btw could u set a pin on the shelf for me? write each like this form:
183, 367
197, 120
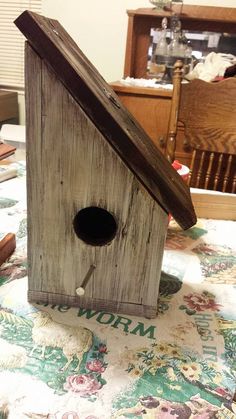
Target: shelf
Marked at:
193, 18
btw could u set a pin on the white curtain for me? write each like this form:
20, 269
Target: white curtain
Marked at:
12, 42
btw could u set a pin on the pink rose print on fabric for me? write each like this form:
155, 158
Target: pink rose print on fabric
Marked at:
95, 366
196, 303
84, 384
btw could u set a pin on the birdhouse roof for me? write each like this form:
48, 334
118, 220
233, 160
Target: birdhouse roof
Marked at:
98, 100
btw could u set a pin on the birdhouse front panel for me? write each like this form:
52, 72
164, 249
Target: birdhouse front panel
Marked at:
92, 224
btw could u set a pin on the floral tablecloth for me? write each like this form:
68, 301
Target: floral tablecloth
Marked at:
59, 362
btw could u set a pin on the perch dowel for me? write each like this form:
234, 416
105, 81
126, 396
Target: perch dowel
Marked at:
81, 290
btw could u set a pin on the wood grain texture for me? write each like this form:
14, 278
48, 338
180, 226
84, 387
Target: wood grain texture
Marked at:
172, 124
215, 205
7, 247
213, 170
202, 13
139, 90
93, 304
103, 107
71, 166
129, 54
151, 107
34, 146
208, 112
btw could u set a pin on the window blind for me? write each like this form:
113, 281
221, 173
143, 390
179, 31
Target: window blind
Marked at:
12, 41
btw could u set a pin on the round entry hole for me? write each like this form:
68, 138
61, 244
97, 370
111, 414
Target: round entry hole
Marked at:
95, 226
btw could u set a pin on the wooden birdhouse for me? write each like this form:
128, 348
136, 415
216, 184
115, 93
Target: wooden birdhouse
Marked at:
99, 192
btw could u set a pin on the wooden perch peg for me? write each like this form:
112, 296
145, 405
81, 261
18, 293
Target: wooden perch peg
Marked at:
81, 290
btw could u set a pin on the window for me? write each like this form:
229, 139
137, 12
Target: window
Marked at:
12, 42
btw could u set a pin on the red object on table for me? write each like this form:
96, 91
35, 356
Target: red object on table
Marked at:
183, 172
181, 169
7, 246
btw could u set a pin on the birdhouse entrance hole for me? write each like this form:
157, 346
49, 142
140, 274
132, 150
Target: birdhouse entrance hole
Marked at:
95, 226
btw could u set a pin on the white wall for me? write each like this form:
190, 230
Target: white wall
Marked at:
99, 27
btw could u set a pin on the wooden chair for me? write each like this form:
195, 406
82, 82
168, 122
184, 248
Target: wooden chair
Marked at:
208, 113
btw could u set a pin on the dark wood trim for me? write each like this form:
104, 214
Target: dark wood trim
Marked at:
204, 13
93, 304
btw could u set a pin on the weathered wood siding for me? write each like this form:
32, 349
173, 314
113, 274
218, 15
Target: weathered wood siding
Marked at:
71, 166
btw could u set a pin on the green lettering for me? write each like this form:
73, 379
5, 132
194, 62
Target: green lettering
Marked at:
202, 324
139, 329
205, 338
100, 318
87, 312
124, 321
203, 316
210, 350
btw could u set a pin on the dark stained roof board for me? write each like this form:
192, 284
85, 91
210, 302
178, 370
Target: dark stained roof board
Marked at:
54, 45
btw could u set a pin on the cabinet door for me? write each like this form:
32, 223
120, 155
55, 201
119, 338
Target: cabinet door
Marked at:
150, 110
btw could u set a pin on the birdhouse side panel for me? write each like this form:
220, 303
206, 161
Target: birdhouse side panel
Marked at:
71, 167
34, 159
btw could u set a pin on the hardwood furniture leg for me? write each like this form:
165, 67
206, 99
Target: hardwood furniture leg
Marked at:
7, 246
173, 118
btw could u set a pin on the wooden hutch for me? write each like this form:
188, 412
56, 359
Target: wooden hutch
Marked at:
151, 106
